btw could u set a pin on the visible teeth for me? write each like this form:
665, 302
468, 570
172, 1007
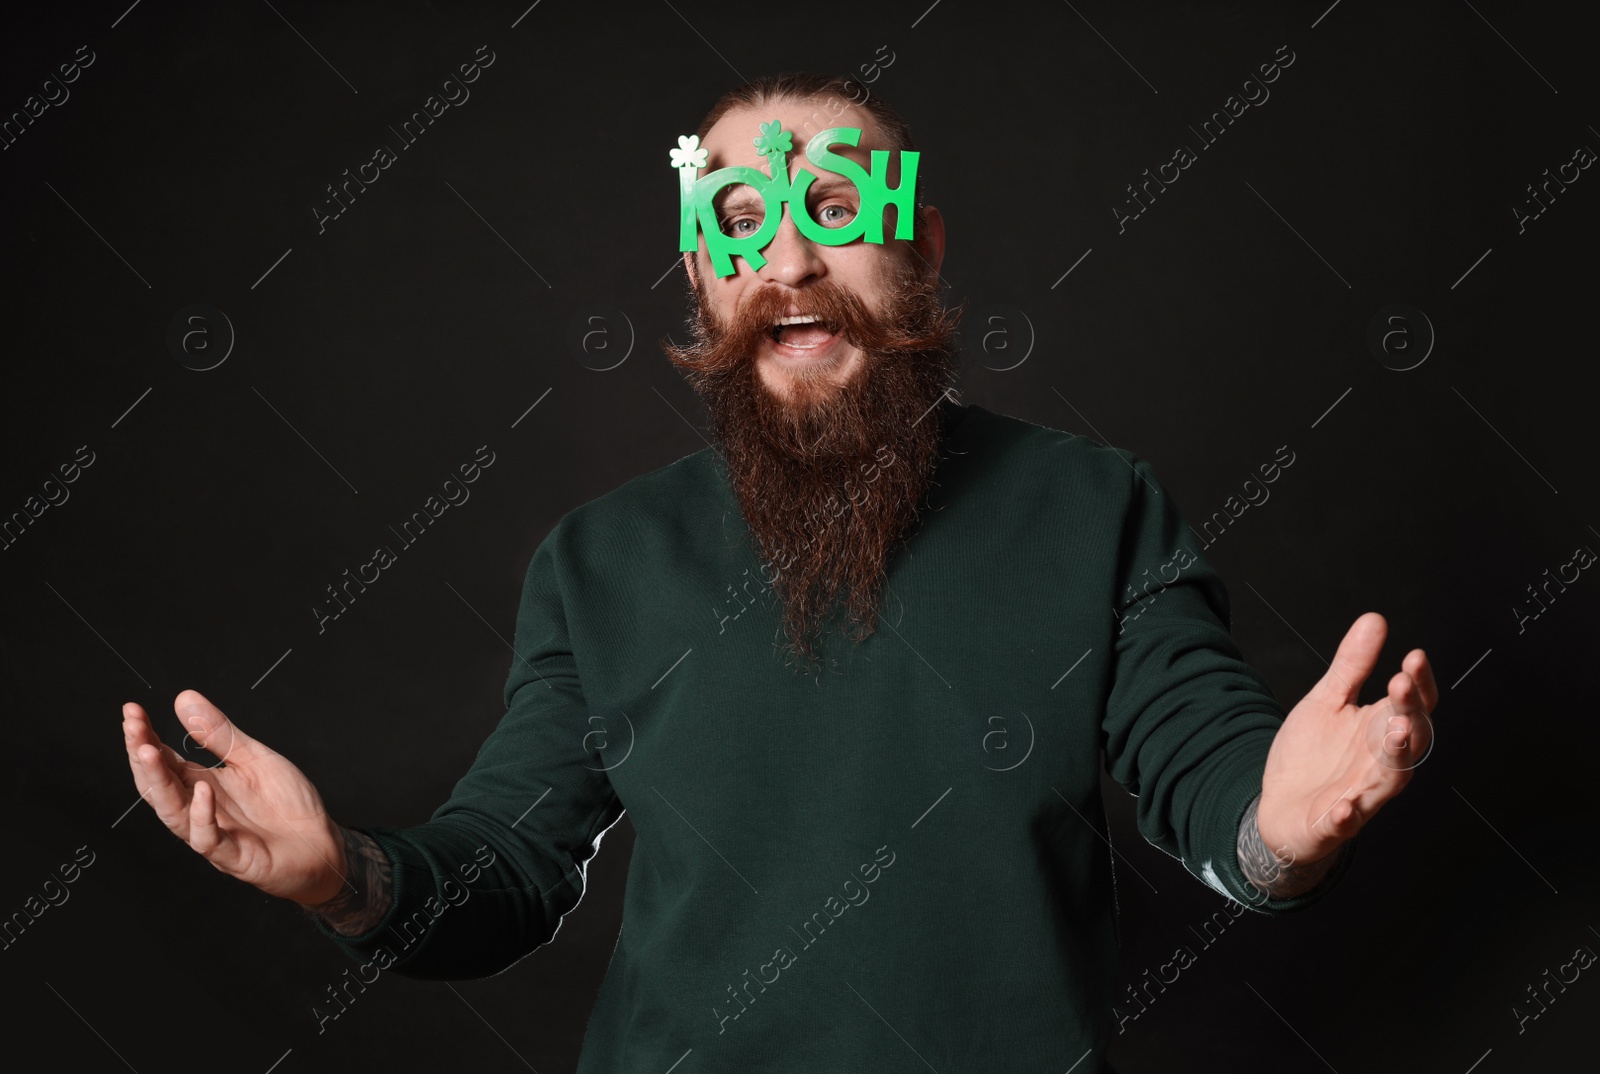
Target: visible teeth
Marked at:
794, 320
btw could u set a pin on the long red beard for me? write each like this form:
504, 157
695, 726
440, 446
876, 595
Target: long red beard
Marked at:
829, 479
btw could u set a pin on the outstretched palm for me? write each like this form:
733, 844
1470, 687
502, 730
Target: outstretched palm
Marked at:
254, 815
1333, 763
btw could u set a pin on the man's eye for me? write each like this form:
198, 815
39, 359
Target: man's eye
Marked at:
844, 214
736, 227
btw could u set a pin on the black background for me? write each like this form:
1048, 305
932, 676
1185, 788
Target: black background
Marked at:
375, 356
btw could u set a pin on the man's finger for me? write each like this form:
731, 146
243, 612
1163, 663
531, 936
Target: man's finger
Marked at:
1353, 662
209, 841
1341, 820
1422, 671
136, 727
1406, 699
1404, 693
155, 782
137, 731
161, 788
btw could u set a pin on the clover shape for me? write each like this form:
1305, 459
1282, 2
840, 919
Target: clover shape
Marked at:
773, 139
688, 154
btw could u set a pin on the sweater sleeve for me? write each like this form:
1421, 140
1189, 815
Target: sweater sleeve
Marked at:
489, 876
1188, 723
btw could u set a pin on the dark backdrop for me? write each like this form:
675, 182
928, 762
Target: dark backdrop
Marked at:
521, 255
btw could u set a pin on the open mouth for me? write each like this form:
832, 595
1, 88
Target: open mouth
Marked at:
802, 333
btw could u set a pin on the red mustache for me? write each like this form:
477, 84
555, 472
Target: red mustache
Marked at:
917, 321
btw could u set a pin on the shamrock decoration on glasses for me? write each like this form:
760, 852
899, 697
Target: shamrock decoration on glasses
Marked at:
689, 154
773, 139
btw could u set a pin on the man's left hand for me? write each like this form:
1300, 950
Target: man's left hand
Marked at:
1333, 763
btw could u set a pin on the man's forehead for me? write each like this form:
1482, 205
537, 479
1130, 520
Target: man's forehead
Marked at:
731, 139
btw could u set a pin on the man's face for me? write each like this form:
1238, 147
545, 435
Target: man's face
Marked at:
827, 433
805, 362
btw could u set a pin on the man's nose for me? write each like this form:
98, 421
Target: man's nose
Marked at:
791, 257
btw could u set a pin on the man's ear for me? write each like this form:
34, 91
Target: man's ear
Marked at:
930, 243
688, 266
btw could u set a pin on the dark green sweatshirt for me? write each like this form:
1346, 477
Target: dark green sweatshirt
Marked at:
896, 864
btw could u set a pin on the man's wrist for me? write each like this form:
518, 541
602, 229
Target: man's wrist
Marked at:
1278, 877
365, 891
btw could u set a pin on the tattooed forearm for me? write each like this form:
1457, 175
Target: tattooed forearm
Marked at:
1276, 877
367, 892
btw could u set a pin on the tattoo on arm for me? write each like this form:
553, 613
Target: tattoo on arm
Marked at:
367, 892
1276, 877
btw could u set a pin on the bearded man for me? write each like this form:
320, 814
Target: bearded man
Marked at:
865, 786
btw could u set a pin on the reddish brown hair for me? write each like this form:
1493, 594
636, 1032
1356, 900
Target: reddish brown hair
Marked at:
807, 86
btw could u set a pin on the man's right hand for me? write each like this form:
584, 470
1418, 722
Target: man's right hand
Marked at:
254, 815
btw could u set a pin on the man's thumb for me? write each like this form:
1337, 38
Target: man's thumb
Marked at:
1355, 658
209, 731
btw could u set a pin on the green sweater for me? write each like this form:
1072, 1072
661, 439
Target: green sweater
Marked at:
895, 864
